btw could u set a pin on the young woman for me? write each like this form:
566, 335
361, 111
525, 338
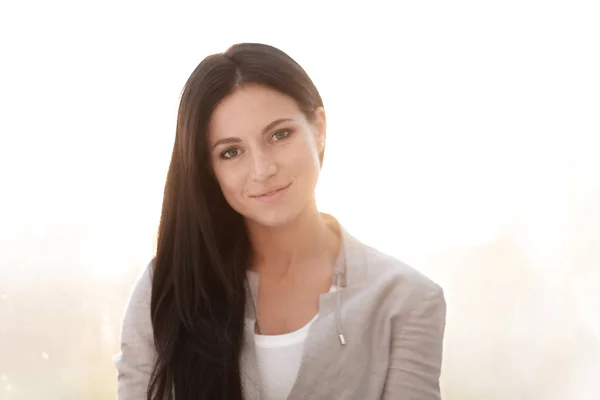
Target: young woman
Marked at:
253, 292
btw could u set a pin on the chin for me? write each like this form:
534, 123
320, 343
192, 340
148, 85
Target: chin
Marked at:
273, 218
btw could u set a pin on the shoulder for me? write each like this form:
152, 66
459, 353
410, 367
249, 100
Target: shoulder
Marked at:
143, 284
392, 281
409, 294
138, 307
383, 267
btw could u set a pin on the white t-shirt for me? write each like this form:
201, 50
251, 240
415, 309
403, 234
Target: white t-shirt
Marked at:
279, 358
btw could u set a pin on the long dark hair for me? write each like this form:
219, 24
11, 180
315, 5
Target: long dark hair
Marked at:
203, 249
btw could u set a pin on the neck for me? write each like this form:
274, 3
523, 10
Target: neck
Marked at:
305, 239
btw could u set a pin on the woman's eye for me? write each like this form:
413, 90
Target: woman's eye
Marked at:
229, 153
281, 134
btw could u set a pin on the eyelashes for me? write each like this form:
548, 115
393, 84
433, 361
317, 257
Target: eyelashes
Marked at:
229, 153
281, 134
277, 136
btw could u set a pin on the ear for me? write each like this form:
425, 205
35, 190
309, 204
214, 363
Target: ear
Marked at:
320, 124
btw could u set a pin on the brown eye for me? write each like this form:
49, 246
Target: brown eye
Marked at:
281, 134
229, 153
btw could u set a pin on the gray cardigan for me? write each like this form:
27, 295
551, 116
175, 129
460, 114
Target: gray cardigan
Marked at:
378, 337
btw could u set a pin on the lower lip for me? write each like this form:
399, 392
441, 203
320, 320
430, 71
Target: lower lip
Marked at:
274, 196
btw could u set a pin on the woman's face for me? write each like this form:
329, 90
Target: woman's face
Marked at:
265, 154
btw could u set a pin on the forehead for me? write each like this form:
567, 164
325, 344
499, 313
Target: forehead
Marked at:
249, 109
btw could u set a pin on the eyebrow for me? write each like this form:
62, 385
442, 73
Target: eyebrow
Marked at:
267, 128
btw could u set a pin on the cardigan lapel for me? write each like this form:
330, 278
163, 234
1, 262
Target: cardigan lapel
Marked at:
322, 347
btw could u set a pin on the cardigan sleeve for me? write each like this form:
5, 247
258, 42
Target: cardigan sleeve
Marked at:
416, 351
135, 361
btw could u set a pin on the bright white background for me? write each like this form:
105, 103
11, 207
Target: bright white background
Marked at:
463, 138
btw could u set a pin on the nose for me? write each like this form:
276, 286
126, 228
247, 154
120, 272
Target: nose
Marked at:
263, 166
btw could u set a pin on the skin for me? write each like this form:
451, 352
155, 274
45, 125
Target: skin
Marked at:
260, 142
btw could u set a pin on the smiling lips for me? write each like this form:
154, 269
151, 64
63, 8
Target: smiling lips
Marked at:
272, 195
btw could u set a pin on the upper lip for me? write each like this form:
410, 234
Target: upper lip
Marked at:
273, 190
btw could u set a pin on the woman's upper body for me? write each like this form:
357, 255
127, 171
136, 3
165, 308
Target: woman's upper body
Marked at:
391, 318
239, 204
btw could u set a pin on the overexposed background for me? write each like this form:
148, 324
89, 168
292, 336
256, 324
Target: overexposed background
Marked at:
463, 138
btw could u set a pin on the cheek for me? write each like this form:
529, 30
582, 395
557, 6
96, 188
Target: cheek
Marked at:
231, 181
303, 156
